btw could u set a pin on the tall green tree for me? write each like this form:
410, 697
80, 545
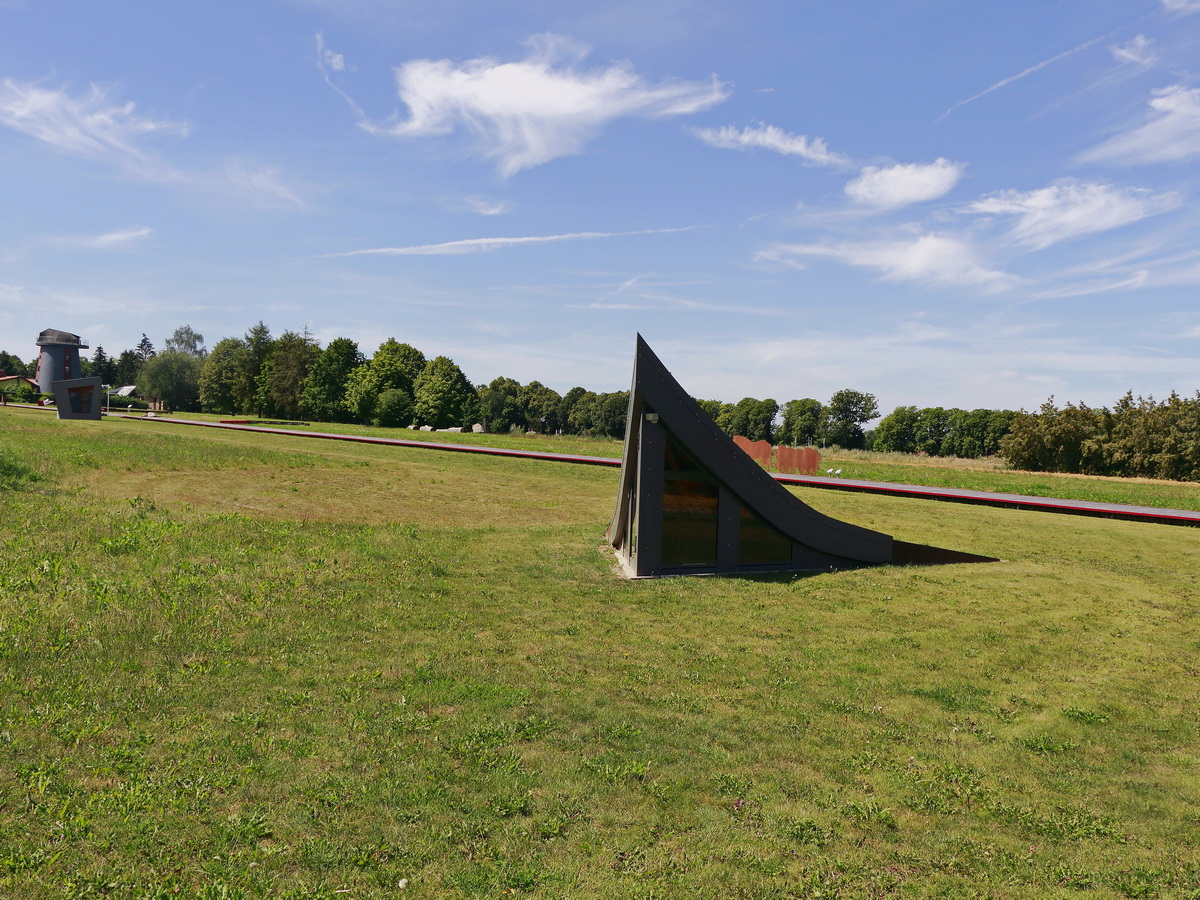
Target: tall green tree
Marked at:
103, 366
566, 405
252, 395
897, 431
223, 377
443, 397
749, 417
12, 365
711, 407
500, 405
281, 380
539, 404
394, 367
844, 416
325, 388
173, 378
185, 340
144, 349
801, 422
613, 410
128, 365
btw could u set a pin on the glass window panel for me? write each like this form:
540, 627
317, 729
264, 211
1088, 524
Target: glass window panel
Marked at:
759, 543
689, 516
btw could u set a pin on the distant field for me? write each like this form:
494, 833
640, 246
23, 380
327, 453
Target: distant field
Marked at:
970, 474
235, 665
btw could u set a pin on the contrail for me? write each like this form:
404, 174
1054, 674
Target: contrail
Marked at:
1029, 71
483, 245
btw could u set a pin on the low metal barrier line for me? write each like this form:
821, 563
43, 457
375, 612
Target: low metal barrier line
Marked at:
1152, 514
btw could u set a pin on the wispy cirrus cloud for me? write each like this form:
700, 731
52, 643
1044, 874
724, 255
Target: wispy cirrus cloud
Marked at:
108, 241
930, 258
485, 206
328, 61
1097, 286
1140, 51
264, 185
1181, 6
487, 245
813, 151
542, 107
92, 125
1171, 132
1071, 209
901, 185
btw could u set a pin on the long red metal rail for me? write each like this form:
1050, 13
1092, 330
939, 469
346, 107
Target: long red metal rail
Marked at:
1152, 514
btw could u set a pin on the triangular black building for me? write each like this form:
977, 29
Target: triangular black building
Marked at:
692, 502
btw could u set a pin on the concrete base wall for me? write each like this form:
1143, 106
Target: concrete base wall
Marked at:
79, 398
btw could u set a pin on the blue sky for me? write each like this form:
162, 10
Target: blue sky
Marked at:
942, 203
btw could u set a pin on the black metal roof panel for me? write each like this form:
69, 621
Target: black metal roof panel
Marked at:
54, 337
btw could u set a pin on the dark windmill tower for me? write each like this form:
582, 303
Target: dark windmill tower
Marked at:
59, 372
59, 359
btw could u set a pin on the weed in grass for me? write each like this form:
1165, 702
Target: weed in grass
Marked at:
15, 473
1045, 745
1084, 715
807, 832
955, 697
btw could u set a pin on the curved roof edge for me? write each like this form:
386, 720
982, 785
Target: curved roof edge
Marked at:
654, 390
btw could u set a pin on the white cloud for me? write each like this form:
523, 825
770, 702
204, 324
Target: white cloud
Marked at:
485, 206
813, 151
539, 108
328, 61
901, 185
111, 239
1139, 51
1181, 6
1170, 134
334, 61
930, 258
486, 245
1070, 209
264, 185
91, 126
1137, 280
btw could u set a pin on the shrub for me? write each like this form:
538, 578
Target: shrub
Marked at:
393, 409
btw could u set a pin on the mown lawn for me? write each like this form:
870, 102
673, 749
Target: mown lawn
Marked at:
243, 666
987, 474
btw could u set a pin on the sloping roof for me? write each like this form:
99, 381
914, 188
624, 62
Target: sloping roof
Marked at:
663, 416
53, 336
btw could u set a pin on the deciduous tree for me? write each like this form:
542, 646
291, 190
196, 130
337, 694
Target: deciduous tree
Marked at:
173, 378
443, 397
325, 388
223, 377
845, 414
281, 380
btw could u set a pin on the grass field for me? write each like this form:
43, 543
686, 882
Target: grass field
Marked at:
988, 474
247, 666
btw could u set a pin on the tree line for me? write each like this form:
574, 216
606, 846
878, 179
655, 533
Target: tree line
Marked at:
1136, 438
291, 376
935, 431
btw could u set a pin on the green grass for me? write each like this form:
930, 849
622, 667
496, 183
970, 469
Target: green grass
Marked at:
989, 474
243, 666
